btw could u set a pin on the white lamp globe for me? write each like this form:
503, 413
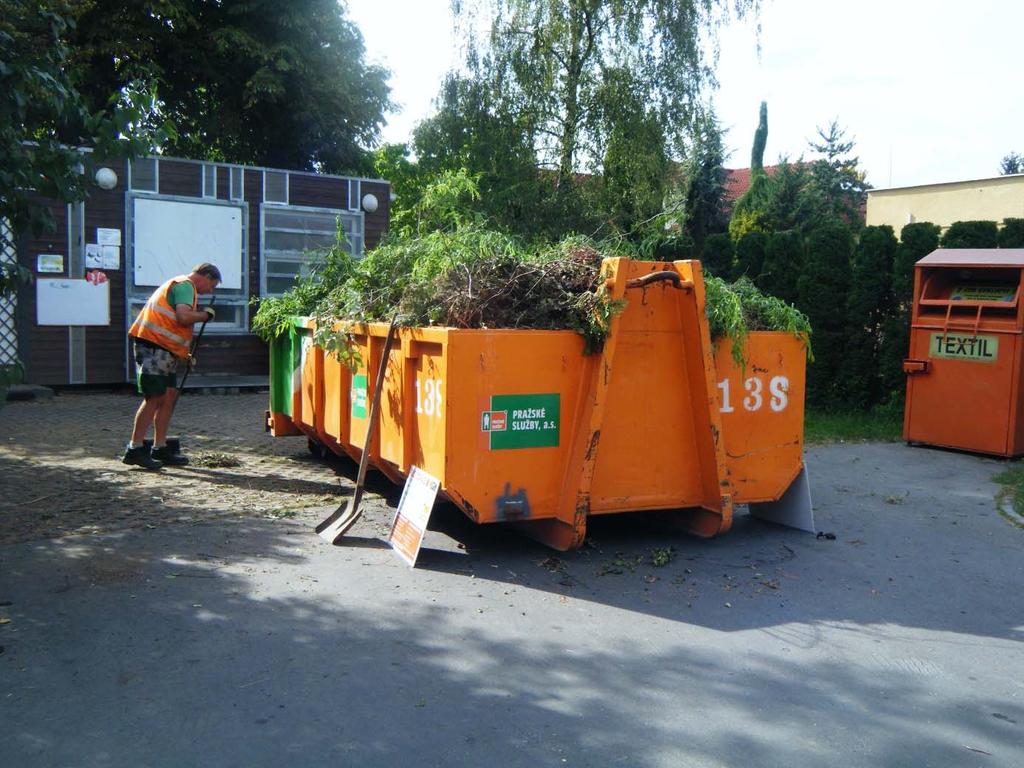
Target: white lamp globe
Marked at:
106, 178
369, 203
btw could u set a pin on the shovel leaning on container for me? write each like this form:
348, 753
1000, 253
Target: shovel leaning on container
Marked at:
335, 526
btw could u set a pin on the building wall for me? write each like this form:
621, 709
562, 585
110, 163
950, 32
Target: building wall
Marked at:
983, 199
60, 355
43, 349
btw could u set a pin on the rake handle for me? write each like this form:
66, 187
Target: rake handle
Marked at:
378, 386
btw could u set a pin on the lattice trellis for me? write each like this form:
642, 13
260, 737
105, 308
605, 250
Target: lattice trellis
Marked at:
8, 306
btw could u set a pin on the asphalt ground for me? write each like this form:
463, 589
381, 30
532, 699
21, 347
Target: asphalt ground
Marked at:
233, 636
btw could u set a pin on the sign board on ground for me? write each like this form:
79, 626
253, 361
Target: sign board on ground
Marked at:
413, 514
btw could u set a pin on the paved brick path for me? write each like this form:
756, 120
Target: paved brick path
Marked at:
61, 474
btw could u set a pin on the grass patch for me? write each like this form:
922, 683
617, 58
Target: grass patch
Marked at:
876, 426
1010, 499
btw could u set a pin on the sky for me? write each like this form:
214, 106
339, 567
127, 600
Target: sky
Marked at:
929, 90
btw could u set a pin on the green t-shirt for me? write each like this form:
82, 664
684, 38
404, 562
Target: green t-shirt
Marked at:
182, 293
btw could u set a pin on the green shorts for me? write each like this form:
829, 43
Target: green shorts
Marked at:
155, 384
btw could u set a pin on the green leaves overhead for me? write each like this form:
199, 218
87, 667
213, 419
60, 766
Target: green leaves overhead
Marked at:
44, 119
550, 57
263, 82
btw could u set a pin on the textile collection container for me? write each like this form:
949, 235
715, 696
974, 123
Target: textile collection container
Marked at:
964, 367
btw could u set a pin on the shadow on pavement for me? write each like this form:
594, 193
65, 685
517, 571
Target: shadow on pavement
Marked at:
251, 646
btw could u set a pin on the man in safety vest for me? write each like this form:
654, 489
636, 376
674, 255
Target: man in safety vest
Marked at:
162, 337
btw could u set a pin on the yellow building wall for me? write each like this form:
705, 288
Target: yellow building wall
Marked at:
983, 199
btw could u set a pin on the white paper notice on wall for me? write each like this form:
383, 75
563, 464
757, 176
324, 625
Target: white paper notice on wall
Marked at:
111, 257
72, 302
93, 256
108, 236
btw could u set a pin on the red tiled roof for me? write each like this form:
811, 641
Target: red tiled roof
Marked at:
737, 181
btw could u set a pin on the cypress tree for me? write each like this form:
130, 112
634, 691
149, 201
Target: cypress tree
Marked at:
868, 306
748, 211
916, 242
750, 250
971, 234
783, 260
821, 294
1012, 234
716, 257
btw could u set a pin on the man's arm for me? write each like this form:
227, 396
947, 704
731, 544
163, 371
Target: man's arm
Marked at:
185, 315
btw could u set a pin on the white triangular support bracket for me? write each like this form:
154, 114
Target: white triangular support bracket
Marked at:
793, 509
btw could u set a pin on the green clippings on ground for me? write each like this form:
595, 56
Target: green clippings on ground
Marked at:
857, 427
279, 514
620, 564
1010, 498
662, 556
214, 459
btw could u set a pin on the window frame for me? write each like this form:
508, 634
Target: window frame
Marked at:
287, 189
209, 174
356, 242
156, 175
136, 296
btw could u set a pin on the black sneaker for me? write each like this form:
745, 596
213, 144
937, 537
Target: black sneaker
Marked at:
167, 455
140, 457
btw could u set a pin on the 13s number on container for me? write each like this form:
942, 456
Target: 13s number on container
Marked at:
428, 402
778, 394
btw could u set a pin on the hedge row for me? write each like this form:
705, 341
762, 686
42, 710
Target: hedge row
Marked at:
857, 294
984, 234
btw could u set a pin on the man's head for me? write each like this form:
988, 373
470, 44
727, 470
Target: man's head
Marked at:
209, 276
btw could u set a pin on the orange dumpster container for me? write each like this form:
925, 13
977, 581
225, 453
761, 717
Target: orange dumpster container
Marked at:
964, 367
521, 427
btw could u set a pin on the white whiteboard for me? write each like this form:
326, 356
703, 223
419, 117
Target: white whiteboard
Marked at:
170, 237
72, 302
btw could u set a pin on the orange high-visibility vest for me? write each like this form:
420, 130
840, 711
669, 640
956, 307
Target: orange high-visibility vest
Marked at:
157, 322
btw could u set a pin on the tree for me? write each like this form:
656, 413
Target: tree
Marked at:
45, 122
391, 162
748, 211
971, 234
548, 57
704, 176
750, 253
821, 295
841, 187
635, 164
717, 255
44, 126
262, 82
868, 305
1011, 163
789, 201
916, 241
1011, 234
473, 130
783, 261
